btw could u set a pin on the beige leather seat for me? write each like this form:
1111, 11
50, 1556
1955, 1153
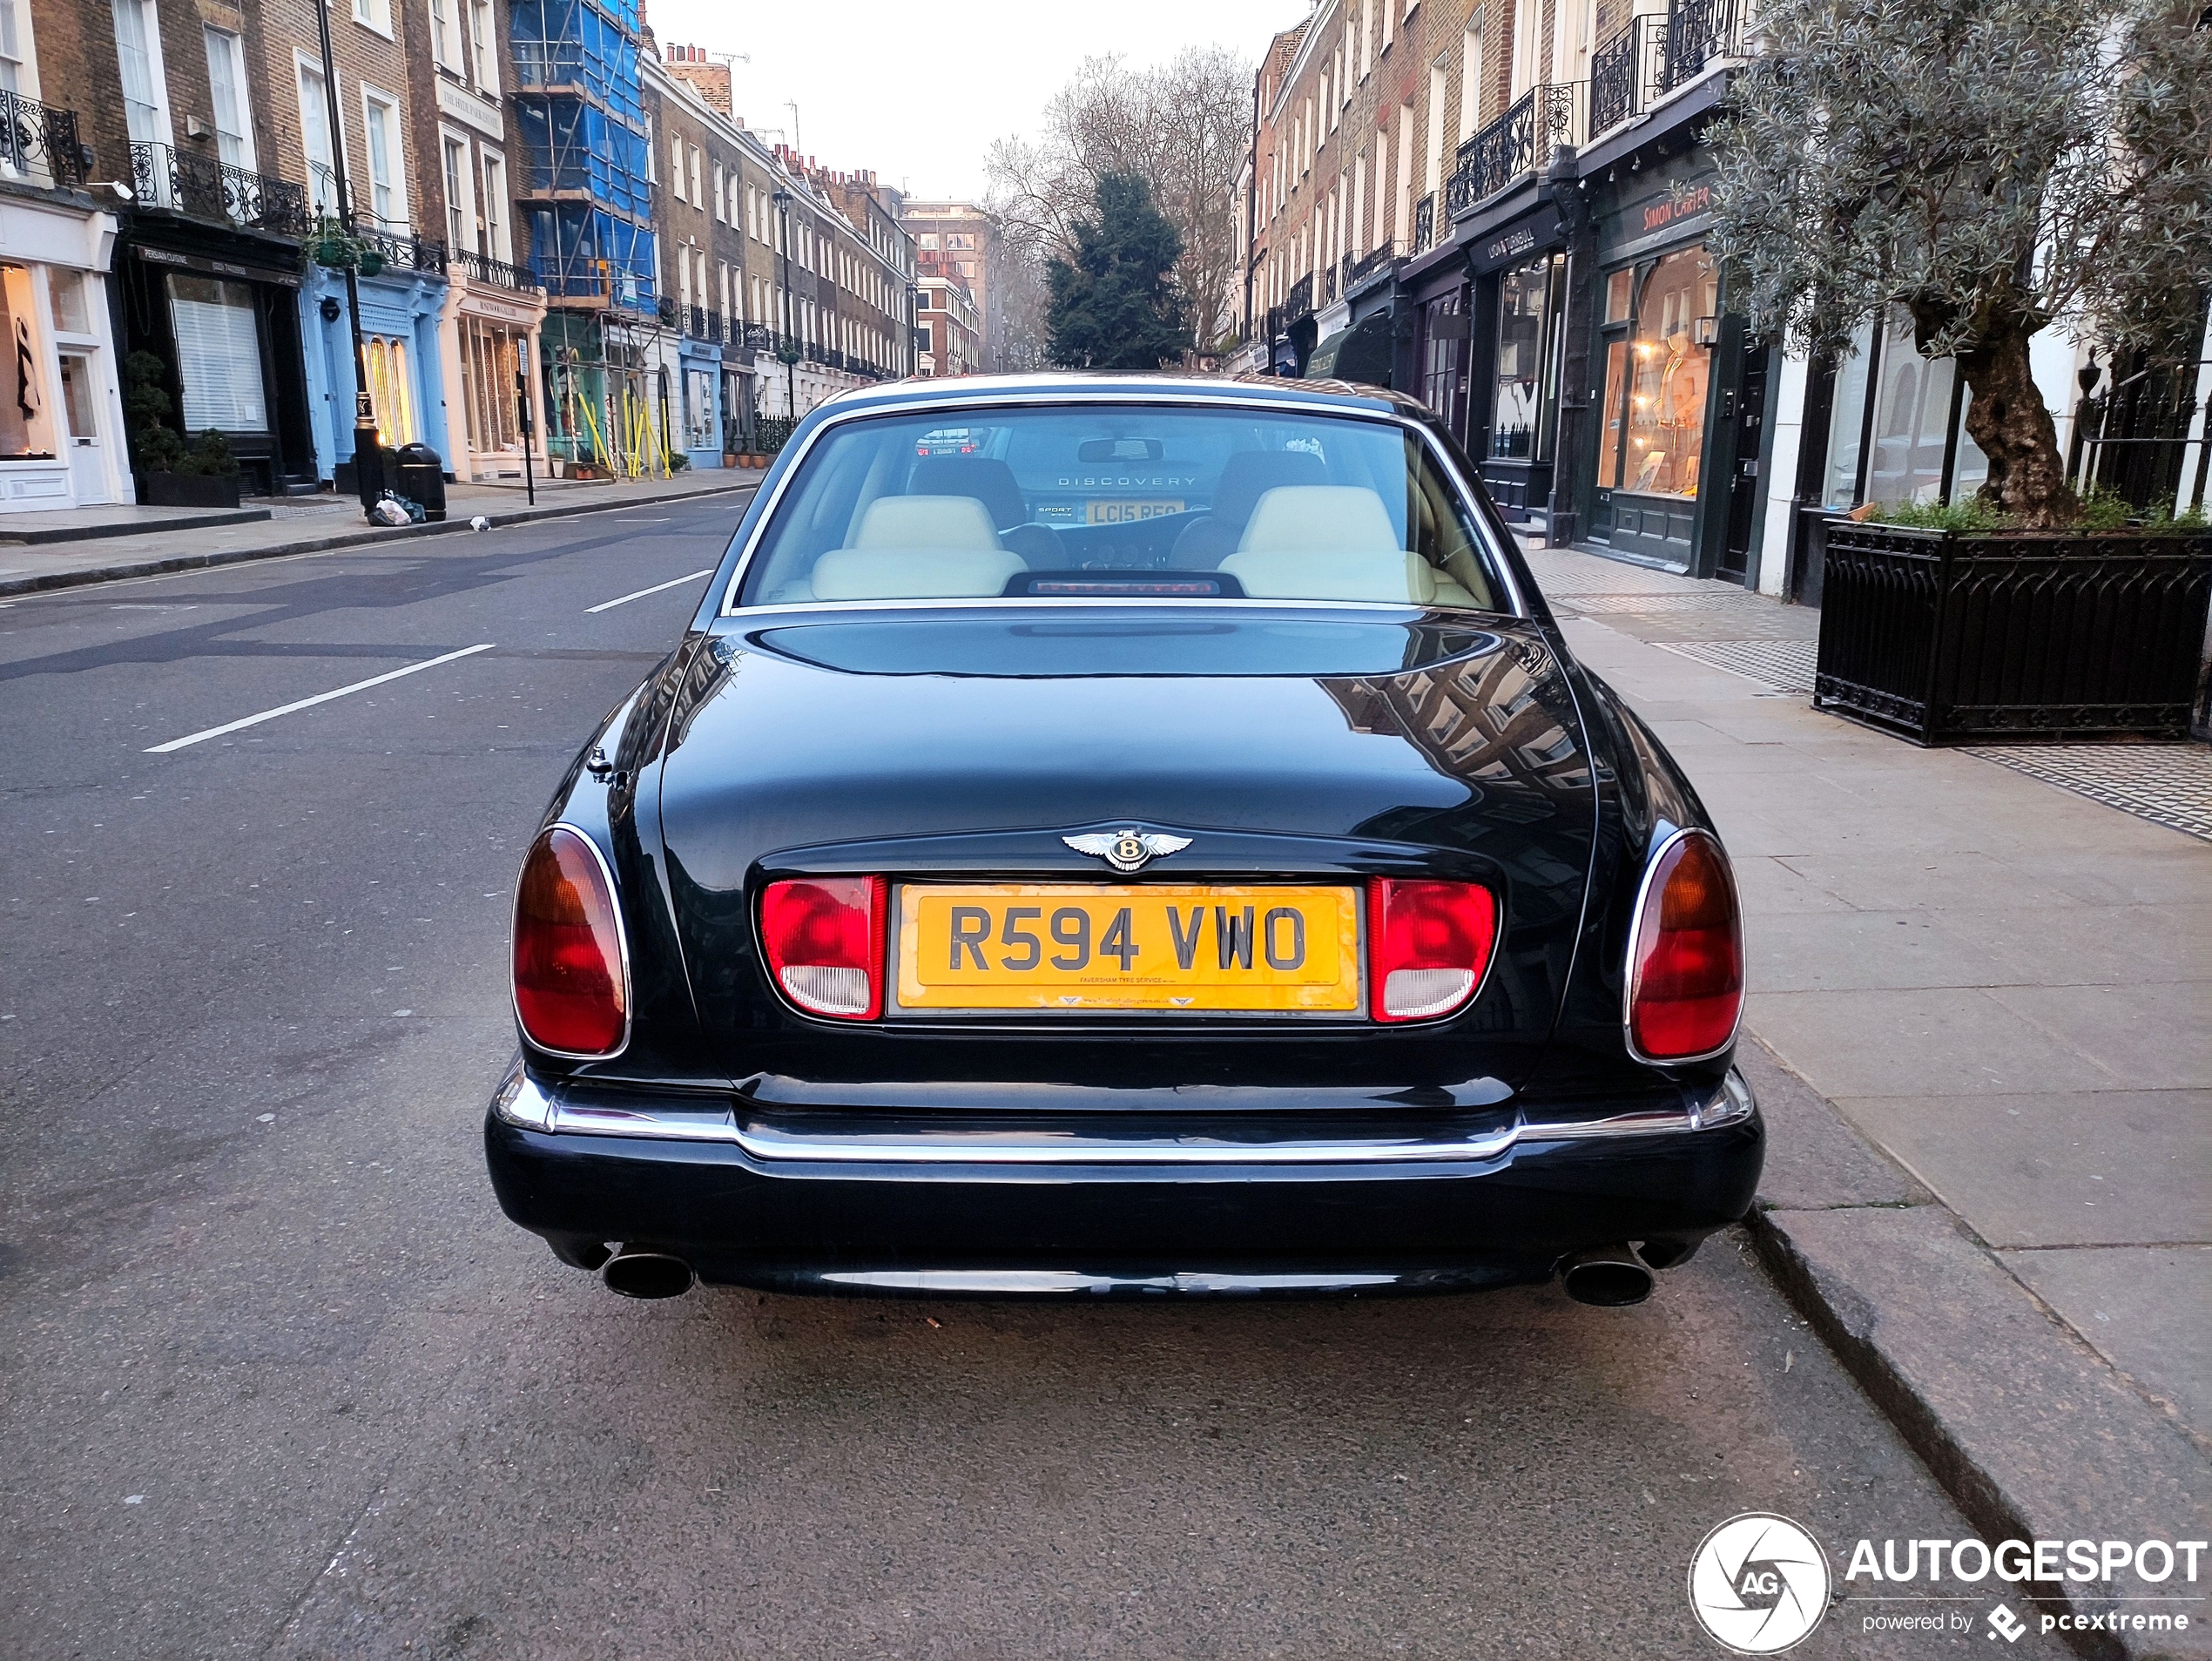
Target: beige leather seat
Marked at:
1326, 542
918, 547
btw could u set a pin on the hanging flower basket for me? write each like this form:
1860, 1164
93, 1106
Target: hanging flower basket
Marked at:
370, 262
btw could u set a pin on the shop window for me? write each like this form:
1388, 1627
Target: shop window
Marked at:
26, 423
1619, 294
219, 355
489, 357
71, 315
698, 409
1669, 370
1528, 305
390, 389
1897, 427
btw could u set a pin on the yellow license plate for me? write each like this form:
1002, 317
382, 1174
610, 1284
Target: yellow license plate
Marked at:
1084, 946
1118, 513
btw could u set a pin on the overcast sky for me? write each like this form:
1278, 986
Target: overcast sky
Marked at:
917, 90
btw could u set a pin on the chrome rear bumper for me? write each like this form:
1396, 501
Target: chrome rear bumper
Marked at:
531, 1104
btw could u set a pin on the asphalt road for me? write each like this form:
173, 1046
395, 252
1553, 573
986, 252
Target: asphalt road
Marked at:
280, 1380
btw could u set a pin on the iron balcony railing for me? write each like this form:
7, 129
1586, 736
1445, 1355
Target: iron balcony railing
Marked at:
1518, 142
1698, 31
409, 252
1425, 224
1329, 284
1369, 263
205, 189
39, 142
1651, 56
482, 268
1299, 301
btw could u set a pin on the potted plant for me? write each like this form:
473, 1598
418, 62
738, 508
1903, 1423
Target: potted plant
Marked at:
1924, 164
169, 473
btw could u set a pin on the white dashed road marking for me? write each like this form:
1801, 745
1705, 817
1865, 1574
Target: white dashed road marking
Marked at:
608, 605
319, 698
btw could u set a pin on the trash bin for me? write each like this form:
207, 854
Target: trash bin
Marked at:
421, 478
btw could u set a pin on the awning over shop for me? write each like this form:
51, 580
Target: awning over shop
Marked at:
1361, 352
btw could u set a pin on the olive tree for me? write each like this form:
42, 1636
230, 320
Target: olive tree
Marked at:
1994, 167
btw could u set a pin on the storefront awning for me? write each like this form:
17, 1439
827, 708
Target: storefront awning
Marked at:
1361, 352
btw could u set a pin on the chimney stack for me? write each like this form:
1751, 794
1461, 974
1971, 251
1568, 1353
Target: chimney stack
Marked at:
690, 65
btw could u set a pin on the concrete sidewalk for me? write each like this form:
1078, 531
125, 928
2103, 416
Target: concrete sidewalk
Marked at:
311, 524
1978, 1021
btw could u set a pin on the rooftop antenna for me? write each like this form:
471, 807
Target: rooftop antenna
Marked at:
793, 108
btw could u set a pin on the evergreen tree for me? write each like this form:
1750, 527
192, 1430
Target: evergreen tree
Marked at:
1989, 168
1115, 304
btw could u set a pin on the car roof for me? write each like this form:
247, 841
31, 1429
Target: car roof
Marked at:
1257, 391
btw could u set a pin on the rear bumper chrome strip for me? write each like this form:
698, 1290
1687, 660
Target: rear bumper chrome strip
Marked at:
523, 1100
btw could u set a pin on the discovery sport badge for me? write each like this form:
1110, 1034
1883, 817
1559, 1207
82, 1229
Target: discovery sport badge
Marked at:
1128, 850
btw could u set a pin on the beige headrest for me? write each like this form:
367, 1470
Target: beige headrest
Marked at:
918, 522
1319, 518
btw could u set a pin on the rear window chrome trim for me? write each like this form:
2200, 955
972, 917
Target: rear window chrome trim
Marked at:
526, 1102
766, 512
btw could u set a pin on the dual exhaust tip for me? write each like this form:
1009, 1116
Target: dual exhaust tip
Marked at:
1608, 1277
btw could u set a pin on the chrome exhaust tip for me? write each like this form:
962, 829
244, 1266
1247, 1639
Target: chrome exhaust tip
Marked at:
648, 1274
1608, 1277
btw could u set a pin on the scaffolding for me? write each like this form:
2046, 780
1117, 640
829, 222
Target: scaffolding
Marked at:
588, 194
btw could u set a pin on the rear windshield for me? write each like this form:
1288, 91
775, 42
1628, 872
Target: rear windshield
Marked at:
1121, 500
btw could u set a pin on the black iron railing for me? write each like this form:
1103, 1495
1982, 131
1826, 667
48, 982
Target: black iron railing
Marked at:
205, 189
39, 141
409, 252
1425, 223
1329, 284
759, 337
1518, 142
1651, 56
482, 268
1697, 32
1298, 302
1369, 263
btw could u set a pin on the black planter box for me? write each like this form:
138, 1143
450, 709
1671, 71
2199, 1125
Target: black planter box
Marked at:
1948, 638
190, 489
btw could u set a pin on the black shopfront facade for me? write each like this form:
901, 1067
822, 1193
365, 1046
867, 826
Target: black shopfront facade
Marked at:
218, 304
1663, 427
1518, 269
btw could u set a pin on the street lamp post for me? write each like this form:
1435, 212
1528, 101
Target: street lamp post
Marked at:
368, 456
788, 349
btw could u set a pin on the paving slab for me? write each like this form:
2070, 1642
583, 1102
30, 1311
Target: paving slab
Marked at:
2071, 1168
1928, 1041
2153, 1033
2147, 1309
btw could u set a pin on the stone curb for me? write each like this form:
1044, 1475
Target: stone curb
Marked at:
90, 575
2031, 1432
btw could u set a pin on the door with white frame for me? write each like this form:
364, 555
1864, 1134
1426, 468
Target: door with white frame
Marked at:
84, 427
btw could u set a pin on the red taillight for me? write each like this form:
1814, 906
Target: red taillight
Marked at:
571, 993
1686, 960
1429, 943
824, 937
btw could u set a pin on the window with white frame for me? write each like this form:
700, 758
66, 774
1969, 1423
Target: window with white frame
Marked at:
381, 131
226, 91
445, 34
315, 135
676, 166
16, 74
137, 50
373, 14
454, 155
698, 193
721, 184
492, 210
483, 47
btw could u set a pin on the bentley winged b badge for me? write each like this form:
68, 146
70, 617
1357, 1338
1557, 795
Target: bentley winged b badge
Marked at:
1128, 850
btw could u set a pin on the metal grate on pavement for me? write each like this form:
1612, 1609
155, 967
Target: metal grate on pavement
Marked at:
1786, 665
2167, 784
